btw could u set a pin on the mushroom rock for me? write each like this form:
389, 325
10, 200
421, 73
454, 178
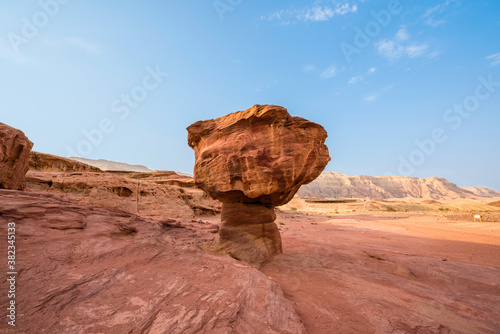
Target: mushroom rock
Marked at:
253, 161
15, 150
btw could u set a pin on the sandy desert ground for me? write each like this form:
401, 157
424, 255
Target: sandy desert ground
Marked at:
390, 273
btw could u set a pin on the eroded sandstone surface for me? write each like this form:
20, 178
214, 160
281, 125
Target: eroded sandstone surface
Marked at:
92, 269
252, 161
158, 194
15, 149
52, 163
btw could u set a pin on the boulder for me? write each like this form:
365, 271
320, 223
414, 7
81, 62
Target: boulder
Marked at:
252, 161
15, 150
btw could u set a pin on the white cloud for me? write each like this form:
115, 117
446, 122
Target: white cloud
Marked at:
495, 59
315, 13
329, 72
434, 23
390, 49
401, 46
360, 78
416, 50
437, 9
431, 10
273, 16
402, 35
432, 15
355, 79
376, 95
345, 8
371, 98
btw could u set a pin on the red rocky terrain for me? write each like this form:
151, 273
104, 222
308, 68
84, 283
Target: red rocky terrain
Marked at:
130, 252
91, 269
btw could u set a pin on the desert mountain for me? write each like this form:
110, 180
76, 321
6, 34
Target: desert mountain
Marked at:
336, 185
483, 192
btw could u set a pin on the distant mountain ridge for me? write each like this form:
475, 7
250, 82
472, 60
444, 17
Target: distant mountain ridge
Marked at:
107, 165
482, 191
336, 185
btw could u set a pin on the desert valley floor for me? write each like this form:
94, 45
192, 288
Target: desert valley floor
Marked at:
374, 272
390, 273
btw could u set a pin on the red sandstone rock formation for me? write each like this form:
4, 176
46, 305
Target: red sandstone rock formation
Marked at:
52, 163
15, 148
150, 194
252, 161
90, 269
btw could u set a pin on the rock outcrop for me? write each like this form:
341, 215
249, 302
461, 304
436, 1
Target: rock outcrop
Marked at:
151, 194
107, 165
15, 149
252, 161
52, 163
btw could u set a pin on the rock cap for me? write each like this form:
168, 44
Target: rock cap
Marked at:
259, 155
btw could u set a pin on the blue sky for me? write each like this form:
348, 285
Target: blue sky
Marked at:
402, 87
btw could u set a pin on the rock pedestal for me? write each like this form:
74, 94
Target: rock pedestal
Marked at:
252, 161
248, 231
